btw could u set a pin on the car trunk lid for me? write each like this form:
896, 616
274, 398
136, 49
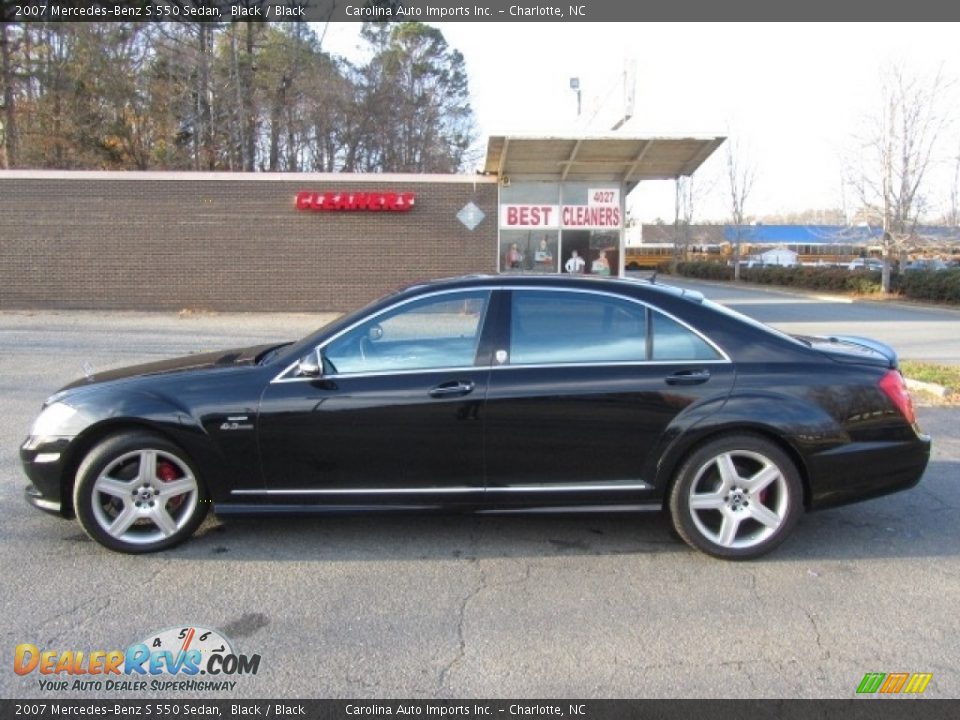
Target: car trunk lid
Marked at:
853, 349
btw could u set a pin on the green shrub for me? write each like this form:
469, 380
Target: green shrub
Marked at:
811, 278
939, 286
705, 270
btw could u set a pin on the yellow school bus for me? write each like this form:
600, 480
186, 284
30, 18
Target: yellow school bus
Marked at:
650, 255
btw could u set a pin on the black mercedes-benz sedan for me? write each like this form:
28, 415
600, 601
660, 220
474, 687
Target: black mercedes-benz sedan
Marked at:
504, 394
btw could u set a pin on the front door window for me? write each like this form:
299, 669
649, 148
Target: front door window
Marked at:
440, 331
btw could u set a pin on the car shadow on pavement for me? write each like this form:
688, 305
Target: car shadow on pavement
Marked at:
431, 537
915, 523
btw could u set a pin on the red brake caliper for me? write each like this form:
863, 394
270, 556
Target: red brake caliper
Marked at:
168, 472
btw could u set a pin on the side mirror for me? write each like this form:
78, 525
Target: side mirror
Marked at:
310, 365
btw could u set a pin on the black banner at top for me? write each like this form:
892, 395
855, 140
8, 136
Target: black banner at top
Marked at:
568, 11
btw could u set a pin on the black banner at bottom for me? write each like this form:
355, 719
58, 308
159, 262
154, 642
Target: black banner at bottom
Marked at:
859, 709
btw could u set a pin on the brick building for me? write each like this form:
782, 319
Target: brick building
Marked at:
318, 242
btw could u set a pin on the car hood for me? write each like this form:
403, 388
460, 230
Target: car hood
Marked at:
188, 363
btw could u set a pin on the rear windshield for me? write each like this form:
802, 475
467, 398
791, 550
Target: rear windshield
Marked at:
753, 323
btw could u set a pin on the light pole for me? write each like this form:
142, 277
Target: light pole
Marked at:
575, 86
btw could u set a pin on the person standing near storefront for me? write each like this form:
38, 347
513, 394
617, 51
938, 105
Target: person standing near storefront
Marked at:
601, 266
543, 256
514, 257
575, 264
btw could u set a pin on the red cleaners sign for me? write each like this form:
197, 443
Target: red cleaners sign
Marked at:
362, 201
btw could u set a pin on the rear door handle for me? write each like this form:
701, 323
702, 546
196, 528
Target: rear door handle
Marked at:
688, 377
453, 388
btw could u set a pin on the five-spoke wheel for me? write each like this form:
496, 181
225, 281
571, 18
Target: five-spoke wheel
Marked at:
137, 492
738, 496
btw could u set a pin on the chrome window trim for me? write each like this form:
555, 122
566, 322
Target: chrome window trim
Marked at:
722, 360
619, 363
380, 373
485, 368
546, 487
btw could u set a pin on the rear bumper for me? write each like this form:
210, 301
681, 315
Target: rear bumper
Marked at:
860, 471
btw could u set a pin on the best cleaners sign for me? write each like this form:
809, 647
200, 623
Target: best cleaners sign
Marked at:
603, 211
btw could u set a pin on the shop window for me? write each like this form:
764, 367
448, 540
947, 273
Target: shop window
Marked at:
553, 227
591, 252
529, 251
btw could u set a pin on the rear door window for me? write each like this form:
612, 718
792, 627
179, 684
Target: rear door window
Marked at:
554, 327
673, 341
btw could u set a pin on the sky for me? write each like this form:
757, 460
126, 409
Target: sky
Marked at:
794, 96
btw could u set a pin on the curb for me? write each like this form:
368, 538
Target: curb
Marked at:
932, 388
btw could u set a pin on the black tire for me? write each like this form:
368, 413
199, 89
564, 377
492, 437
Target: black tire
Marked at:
136, 492
736, 497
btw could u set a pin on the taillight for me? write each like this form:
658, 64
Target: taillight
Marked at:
893, 386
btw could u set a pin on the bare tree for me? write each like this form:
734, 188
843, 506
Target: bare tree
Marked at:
229, 96
9, 154
680, 195
687, 195
953, 210
741, 174
415, 92
897, 149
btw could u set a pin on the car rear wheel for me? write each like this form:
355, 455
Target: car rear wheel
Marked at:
137, 492
737, 497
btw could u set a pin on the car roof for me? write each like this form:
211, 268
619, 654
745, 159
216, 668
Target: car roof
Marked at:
586, 282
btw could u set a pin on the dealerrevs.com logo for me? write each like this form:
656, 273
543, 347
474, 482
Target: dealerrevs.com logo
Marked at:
177, 659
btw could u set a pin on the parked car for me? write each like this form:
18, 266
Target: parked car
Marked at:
925, 264
490, 395
869, 264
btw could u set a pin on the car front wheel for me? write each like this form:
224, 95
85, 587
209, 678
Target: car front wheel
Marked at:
737, 497
137, 492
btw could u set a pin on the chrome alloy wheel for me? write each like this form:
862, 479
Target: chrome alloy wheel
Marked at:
144, 496
738, 499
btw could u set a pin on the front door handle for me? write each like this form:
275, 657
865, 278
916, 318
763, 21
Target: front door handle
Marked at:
454, 388
688, 377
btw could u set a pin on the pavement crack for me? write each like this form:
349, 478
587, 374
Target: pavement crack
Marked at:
753, 584
461, 618
816, 631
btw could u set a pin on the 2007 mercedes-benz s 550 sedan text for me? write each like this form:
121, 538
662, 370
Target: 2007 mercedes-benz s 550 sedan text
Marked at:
505, 394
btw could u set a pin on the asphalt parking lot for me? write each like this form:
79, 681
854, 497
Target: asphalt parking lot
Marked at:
474, 607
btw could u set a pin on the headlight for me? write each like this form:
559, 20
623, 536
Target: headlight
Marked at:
57, 419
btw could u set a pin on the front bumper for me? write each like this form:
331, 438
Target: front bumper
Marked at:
43, 461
